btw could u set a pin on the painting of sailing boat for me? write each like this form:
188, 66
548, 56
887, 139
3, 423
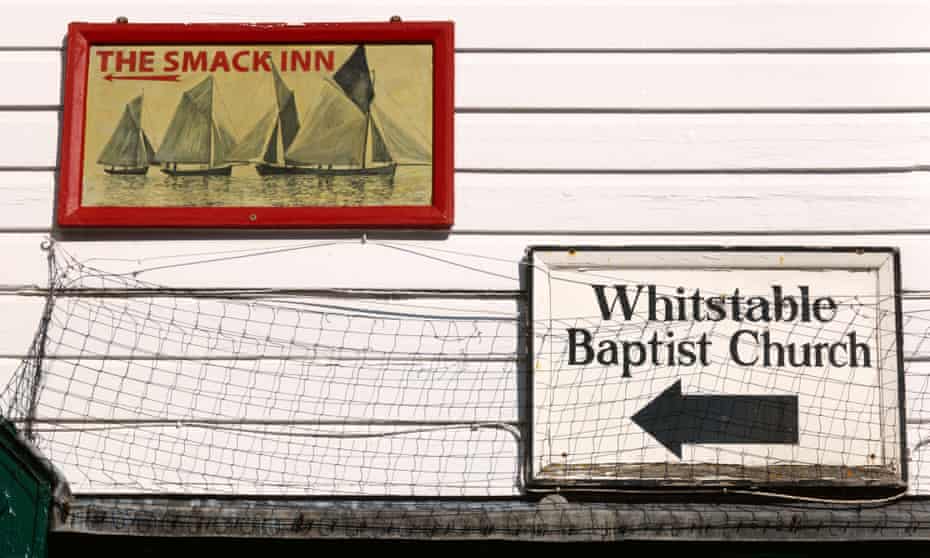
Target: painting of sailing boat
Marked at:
195, 138
343, 137
326, 128
274, 132
129, 150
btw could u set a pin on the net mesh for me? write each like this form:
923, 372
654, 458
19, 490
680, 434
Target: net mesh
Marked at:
251, 394
131, 387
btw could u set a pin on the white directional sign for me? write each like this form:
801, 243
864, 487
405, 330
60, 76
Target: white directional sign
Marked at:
715, 365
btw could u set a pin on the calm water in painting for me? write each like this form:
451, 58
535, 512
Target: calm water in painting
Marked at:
411, 185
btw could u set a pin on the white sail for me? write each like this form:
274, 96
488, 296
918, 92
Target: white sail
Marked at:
253, 146
404, 146
189, 135
333, 135
194, 135
126, 147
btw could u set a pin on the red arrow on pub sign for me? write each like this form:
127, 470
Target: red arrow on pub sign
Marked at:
166, 77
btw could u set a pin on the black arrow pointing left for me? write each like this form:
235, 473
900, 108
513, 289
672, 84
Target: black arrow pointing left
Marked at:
673, 419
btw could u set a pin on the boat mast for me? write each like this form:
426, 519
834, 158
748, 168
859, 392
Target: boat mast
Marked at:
144, 161
278, 128
367, 123
212, 123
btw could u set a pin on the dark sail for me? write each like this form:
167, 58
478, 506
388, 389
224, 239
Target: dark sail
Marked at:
125, 148
287, 110
379, 150
355, 80
271, 150
149, 150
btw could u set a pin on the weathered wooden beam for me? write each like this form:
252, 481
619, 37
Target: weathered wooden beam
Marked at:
553, 519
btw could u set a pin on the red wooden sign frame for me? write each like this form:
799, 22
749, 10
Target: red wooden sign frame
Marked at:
83, 36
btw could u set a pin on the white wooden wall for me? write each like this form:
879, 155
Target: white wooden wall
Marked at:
596, 122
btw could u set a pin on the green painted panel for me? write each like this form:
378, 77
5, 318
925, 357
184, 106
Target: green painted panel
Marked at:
25, 499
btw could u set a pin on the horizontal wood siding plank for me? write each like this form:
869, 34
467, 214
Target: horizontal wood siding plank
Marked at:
917, 382
688, 203
27, 199
39, 77
685, 143
17, 331
276, 391
691, 81
623, 203
564, 24
399, 260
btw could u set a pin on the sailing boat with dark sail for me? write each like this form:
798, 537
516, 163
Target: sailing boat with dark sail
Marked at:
341, 138
194, 138
272, 135
129, 150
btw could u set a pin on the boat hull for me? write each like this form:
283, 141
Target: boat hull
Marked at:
213, 171
134, 171
270, 170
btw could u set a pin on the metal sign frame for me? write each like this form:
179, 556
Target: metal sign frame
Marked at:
537, 483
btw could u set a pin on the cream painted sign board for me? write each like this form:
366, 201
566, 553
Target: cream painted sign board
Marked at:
715, 365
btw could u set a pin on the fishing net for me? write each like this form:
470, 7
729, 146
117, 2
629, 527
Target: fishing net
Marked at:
134, 388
